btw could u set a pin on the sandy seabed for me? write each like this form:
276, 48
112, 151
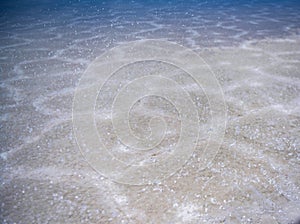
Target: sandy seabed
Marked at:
254, 178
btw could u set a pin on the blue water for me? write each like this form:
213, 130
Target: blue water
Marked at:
198, 23
45, 48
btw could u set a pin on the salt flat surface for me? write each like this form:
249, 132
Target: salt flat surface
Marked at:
255, 56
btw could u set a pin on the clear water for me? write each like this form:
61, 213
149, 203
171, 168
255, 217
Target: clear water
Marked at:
194, 23
253, 47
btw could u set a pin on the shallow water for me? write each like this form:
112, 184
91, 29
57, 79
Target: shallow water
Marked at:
253, 48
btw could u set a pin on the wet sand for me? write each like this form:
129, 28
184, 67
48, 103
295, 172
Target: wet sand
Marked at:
253, 179
45, 179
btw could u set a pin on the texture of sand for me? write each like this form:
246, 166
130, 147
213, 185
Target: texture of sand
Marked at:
253, 179
254, 51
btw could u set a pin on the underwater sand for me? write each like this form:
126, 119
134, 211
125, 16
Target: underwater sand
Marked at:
254, 178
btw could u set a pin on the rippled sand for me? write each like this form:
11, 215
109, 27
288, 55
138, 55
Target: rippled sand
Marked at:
254, 178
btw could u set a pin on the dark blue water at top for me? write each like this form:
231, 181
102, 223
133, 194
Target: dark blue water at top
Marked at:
199, 23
